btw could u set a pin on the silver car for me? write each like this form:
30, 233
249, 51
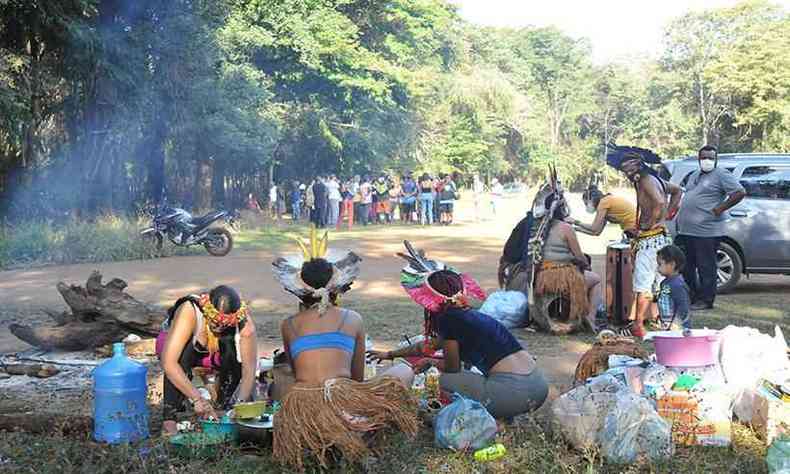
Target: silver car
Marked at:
757, 231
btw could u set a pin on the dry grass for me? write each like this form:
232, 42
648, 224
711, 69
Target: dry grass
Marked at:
533, 447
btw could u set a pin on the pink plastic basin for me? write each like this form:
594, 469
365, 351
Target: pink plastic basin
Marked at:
673, 349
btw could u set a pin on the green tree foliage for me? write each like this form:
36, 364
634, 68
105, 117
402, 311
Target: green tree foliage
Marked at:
108, 104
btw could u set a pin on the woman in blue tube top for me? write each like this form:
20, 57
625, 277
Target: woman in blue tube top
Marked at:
331, 405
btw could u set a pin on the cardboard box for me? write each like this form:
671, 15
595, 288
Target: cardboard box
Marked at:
771, 417
701, 417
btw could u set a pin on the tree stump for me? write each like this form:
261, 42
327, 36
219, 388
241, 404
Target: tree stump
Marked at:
47, 423
100, 314
551, 311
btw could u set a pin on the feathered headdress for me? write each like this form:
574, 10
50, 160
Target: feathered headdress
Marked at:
550, 188
414, 279
345, 269
617, 155
542, 214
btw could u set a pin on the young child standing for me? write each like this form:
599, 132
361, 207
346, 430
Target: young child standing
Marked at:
673, 294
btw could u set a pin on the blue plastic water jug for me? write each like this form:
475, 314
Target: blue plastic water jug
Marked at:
120, 390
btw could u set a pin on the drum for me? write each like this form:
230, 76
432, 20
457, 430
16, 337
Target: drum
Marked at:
619, 282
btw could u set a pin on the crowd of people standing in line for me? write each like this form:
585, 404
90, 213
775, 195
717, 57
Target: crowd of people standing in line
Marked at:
328, 201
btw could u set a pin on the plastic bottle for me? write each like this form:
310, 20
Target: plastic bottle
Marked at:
490, 453
120, 392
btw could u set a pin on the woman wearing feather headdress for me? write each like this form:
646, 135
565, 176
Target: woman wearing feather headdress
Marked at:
543, 256
510, 384
330, 405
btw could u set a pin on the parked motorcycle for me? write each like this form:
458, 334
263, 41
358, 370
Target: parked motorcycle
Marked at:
184, 230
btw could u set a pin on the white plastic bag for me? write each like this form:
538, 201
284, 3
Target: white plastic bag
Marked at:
657, 380
708, 375
580, 413
630, 376
464, 424
778, 456
633, 430
746, 356
508, 307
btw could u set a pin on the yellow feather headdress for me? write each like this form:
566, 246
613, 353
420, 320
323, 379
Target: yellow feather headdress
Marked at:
345, 265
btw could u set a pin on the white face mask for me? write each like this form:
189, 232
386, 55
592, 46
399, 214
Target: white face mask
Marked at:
707, 165
590, 208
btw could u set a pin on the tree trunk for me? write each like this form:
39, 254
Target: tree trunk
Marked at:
76, 336
101, 314
96, 150
34, 50
218, 183
702, 110
203, 184
156, 162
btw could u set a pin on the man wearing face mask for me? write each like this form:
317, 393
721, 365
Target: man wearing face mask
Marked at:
607, 208
709, 193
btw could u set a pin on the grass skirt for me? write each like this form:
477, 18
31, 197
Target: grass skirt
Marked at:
336, 414
567, 280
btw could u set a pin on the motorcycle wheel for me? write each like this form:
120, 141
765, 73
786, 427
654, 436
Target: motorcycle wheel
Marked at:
218, 242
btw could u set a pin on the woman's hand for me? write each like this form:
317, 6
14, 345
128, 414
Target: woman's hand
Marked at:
422, 366
204, 409
375, 355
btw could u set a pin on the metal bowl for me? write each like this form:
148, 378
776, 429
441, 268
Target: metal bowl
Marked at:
256, 431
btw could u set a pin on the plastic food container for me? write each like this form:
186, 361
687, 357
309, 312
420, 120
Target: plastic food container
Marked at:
249, 410
673, 349
227, 429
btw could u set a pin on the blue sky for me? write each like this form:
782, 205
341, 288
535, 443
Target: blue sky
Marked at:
605, 22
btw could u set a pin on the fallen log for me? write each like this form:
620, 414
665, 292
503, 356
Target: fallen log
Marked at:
146, 347
46, 423
69, 362
31, 370
109, 302
100, 314
76, 336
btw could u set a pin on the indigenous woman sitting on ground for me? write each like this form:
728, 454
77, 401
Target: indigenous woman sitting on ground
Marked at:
214, 331
511, 383
330, 405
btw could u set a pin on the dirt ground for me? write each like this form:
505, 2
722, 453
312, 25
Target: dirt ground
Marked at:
471, 244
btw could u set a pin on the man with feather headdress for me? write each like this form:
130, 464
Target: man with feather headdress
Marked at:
657, 201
